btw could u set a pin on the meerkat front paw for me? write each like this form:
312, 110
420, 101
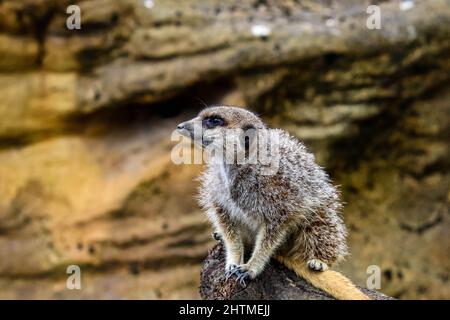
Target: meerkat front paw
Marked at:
229, 270
242, 273
317, 265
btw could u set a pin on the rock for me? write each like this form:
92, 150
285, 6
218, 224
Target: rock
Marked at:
86, 116
398, 192
275, 283
112, 204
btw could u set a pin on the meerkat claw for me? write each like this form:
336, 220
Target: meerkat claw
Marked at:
231, 269
317, 265
242, 278
241, 275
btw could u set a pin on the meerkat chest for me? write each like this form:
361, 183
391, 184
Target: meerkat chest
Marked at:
232, 207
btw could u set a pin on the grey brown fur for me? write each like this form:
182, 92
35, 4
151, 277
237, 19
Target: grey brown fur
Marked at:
294, 212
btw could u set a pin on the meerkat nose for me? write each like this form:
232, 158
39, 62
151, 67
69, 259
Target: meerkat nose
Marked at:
180, 126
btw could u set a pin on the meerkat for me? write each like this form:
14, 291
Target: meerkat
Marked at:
291, 214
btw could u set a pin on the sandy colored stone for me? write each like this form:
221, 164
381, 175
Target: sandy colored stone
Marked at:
86, 117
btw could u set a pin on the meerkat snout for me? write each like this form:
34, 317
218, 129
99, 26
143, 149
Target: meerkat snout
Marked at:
190, 129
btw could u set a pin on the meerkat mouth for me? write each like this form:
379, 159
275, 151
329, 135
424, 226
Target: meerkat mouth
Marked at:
186, 133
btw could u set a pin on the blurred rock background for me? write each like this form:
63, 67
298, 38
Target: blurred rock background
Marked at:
86, 117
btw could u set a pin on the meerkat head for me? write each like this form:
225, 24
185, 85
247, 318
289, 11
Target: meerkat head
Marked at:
214, 124
235, 135
220, 127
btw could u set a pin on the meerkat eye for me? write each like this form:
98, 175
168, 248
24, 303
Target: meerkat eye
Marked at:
212, 122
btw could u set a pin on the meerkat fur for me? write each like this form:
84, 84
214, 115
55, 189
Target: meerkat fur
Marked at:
292, 214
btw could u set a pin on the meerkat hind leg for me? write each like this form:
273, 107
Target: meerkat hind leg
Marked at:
317, 265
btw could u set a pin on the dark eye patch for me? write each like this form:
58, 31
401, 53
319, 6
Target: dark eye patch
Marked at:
213, 121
